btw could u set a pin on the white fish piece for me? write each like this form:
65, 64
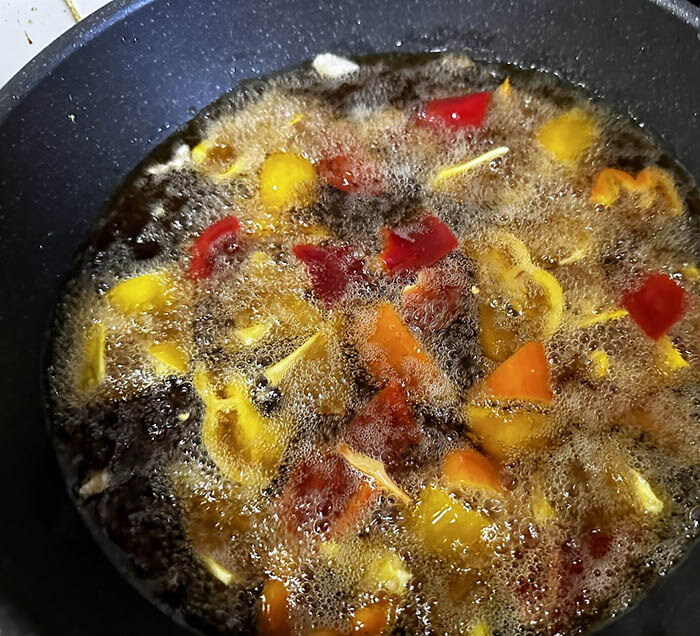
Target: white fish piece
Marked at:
333, 66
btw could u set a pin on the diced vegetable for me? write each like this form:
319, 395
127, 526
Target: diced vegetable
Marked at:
631, 484
418, 244
505, 89
274, 610
480, 629
93, 367
324, 381
657, 305
218, 571
219, 240
287, 181
323, 496
392, 352
143, 294
277, 371
607, 315
250, 335
468, 467
372, 620
541, 509
432, 302
332, 269
645, 497
375, 470
384, 428
523, 376
690, 272
506, 433
650, 184
568, 135
506, 272
245, 446
170, 356
496, 342
455, 113
445, 525
600, 363
669, 358
388, 573
461, 168
350, 173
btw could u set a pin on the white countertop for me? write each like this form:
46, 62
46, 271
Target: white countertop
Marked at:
27, 26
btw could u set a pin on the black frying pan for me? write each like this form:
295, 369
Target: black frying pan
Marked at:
77, 119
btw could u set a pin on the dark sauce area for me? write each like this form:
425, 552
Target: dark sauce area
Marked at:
132, 438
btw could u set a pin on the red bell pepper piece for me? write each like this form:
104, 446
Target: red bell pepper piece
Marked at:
350, 173
384, 428
323, 495
657, 305
419, 244
219, 239
432, 302
455, 113
331, 269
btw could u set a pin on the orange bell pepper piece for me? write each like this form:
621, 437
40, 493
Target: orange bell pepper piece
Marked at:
274, 613
523, 376
372, 620
392, 351
469, 467
650, 183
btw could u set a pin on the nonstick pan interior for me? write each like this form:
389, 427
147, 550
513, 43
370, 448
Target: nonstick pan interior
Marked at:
82, 115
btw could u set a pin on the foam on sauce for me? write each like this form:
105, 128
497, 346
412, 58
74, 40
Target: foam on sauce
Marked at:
568, 539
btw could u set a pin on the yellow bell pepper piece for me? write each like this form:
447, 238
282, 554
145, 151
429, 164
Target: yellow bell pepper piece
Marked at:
445, 525
568, 135
541, 509
600, 363
219, 157
93, 368
645, 498
387, 573
242, 443
143, 294
480, 629
508, 266
286, 181
497, 343
690, 272
504, 433
218, 571
250, 335
170, 356
669, 359
650, 183
505, 88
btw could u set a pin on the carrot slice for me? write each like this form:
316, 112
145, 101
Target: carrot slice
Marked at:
274, 614
392, 351
469, 467
523, 376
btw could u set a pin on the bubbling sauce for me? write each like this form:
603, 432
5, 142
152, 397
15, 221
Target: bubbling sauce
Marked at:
411, 350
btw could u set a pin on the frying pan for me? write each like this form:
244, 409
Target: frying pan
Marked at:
81, 116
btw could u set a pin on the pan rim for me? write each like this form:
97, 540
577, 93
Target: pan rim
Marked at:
28, 78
